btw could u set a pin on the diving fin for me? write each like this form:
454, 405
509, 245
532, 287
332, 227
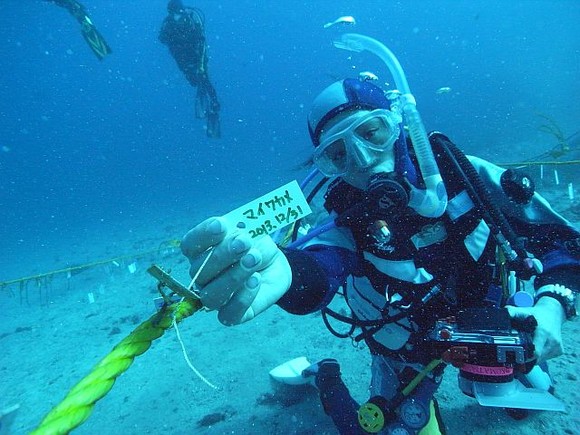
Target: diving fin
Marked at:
95, 40
213, 125
290, 372
201, 103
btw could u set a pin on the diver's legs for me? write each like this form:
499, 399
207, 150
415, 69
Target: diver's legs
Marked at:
336, 400
389, 377
212, 108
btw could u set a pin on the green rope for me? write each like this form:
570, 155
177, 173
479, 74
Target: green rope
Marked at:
78, 404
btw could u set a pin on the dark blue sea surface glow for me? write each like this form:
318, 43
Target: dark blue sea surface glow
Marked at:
94, 149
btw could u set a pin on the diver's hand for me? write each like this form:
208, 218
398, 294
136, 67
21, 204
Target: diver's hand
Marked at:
243, 276
548, 334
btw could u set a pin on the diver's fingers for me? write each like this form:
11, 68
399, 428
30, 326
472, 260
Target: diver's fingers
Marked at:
239, 308
223, 263
227, 248
203, 236
271, 279
218, 291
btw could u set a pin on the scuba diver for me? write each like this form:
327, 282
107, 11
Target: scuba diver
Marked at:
184, 34
426, 245
94, 39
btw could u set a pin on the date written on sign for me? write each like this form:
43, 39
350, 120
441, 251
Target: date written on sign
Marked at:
270, 212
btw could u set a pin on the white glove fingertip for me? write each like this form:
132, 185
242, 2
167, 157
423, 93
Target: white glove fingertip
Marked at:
251, 260
238, 309
253, 283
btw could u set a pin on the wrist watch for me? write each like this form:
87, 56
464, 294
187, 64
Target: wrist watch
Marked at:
567, 298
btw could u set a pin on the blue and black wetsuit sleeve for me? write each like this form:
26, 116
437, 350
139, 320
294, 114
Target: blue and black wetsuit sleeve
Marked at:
317, 273
561, 266
558, 248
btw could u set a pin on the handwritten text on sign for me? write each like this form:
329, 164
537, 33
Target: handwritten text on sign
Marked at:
272, 211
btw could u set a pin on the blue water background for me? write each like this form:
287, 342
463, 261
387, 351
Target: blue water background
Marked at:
90, 148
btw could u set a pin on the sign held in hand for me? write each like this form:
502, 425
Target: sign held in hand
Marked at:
271, 212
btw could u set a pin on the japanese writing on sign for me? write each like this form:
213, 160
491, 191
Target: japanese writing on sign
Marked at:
272, 211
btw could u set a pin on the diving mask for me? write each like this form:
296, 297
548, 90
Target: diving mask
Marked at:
347, 144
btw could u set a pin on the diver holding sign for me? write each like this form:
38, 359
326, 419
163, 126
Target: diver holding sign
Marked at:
424, 243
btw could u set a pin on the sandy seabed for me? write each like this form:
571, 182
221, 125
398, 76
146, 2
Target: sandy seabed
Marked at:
54, 332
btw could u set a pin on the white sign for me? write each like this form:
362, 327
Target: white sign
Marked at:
271, 212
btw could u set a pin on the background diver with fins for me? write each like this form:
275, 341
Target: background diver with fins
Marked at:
94, 39
184, 34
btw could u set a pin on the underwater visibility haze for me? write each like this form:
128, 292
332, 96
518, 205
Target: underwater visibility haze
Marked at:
107, 153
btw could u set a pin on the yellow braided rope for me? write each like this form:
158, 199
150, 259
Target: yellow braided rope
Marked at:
79, 402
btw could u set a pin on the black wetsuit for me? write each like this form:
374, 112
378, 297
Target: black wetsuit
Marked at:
440, 265
183, 33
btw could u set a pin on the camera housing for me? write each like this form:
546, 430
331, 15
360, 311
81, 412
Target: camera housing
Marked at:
491, 351
482, 337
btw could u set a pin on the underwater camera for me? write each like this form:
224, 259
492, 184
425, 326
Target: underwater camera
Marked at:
493, 353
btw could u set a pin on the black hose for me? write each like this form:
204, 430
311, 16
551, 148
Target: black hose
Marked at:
478, 192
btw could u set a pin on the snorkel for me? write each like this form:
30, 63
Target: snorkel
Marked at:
432, 201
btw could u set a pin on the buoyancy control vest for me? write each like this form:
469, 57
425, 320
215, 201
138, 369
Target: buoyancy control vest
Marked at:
415, 269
